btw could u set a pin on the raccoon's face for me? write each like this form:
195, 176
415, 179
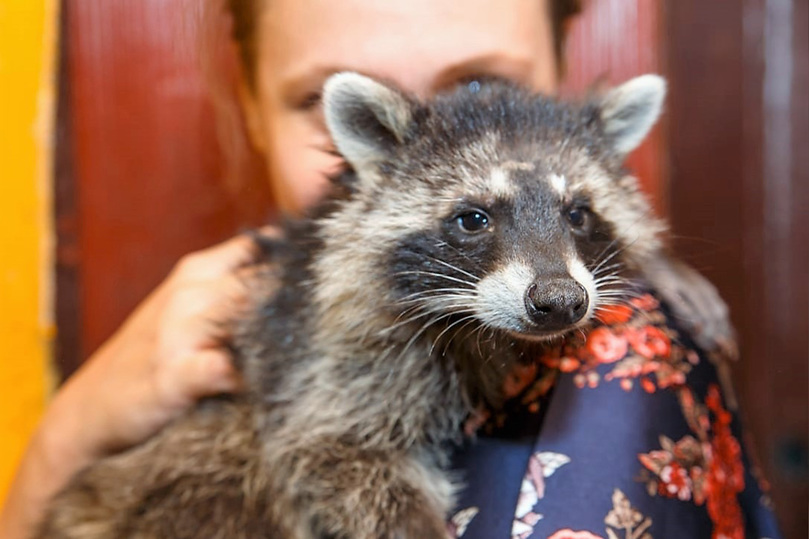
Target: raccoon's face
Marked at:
493, 209
533, 259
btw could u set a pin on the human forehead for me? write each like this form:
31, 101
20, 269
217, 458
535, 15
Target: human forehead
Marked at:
421, 45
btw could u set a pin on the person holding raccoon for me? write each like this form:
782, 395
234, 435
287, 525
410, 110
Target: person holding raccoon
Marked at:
532, 471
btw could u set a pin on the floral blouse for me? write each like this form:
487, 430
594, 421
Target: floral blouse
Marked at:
626, 432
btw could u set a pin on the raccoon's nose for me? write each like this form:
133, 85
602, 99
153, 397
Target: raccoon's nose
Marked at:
555, 304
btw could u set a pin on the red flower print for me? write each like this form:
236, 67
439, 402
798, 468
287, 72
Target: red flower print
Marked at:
569, 364
726, 514
707, 468
567, 533
668, 376
630, 349
725, 476
518, 379
606, 346
698, 482
646, 302
647, 385
675, 482
650, 342
614, 314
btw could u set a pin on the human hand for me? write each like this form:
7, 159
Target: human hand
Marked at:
169, 353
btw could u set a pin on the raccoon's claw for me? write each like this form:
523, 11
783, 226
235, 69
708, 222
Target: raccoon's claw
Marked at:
696, 303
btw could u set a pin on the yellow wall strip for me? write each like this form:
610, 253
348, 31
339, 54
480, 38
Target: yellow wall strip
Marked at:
28, 56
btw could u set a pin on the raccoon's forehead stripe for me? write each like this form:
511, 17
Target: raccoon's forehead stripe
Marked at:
499, 182
526, 166
559, 183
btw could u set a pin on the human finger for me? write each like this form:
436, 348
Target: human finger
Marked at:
218, 260
203, 374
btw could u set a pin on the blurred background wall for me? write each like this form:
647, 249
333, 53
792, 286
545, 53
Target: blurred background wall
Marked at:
141, 179
739, 204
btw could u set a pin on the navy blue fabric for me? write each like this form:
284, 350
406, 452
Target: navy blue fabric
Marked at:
499, 466
602, 431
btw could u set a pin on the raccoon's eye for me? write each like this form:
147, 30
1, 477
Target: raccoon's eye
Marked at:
473, 221
579, 218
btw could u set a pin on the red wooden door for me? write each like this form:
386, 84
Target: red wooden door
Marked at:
613, 41
142, 179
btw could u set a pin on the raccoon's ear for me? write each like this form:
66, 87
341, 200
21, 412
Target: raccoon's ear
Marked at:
630, 110
366, 119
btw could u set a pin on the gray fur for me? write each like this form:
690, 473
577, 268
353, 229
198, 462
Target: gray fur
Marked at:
360, 114
385, 333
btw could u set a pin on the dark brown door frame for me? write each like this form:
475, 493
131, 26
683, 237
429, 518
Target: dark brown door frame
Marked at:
739, 117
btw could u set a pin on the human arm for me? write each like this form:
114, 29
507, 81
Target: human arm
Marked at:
168, 354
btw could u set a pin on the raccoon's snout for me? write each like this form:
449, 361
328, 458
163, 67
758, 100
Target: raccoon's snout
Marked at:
556, 304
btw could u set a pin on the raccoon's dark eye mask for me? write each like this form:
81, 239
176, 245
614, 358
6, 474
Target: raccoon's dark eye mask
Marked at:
581, 218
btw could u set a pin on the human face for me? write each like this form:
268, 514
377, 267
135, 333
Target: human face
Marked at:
423, 46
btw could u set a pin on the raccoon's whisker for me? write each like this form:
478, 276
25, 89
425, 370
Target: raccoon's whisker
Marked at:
449, 327
438, 300
615, 299
442, 242
603, 260
606, 259
618, 251
618, 294
615, 288
430, 294
399, 323
458, 307
608, 279
457, 302
421, 331
433, 274
456, 268
621, 285
407, 316
609, 306
605, 270
604, 252
469, 320
623, 295
479, 331
608, 275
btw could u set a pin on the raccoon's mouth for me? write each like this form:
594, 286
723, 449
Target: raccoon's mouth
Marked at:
544, 335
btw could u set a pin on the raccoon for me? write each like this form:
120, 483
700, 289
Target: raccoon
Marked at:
467, 233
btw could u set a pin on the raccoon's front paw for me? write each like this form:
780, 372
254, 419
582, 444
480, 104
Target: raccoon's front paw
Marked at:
411, 519
420, 523
351, 493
